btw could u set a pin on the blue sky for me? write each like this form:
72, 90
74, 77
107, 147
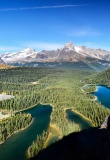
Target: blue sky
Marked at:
49, 24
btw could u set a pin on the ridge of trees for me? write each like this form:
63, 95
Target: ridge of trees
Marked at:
12, 124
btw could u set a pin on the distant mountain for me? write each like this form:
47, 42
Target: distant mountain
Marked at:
94, 58
96, 53
14, 57
1, 61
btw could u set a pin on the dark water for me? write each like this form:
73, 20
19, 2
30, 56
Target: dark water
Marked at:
103, 95
15, 147
76, 118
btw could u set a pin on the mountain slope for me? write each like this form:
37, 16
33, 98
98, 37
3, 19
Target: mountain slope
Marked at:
14, 57
1, 61
102, 78
96, 53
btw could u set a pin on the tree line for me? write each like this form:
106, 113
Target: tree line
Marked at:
12, 124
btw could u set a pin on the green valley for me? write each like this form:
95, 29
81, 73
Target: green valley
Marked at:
63, 89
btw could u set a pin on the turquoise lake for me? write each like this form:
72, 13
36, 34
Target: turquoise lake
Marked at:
76, 118
15, 147
103, 95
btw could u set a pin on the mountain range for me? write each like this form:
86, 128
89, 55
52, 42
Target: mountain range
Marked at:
69, 55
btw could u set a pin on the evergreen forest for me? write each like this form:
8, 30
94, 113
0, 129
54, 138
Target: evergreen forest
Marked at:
61, 88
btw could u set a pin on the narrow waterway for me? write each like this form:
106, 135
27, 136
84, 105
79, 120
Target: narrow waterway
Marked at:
15, 147
78, 119
103, 95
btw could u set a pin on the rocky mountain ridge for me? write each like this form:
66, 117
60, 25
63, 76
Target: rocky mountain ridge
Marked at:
18, 56
69, 52
94, 58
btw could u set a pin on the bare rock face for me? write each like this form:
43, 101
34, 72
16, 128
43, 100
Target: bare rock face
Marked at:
106, 123
69, 53
1, 61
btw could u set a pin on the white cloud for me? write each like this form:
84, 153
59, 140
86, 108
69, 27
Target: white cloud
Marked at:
87, 44
43, 45
8, 48
41, 7
83, 32
39, 46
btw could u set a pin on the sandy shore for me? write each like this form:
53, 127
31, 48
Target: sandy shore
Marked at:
3, 116
82, 88
75, 111
4, 96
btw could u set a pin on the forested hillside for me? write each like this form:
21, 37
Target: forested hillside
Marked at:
101, 78
58, 87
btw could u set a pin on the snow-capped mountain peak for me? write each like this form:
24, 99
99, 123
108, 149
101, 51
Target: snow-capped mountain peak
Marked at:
69, 53
69, 46
28, 50
19, 56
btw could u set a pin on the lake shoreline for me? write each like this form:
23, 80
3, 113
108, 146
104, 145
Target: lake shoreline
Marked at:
18, 112
51, 135
95, 97
88, 85
14, 112
85, 118
44, 104
17, 132
103, 95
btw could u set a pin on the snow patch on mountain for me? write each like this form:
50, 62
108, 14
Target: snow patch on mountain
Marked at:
69, 46
1, 61
19, 56
96, 53
69, 53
